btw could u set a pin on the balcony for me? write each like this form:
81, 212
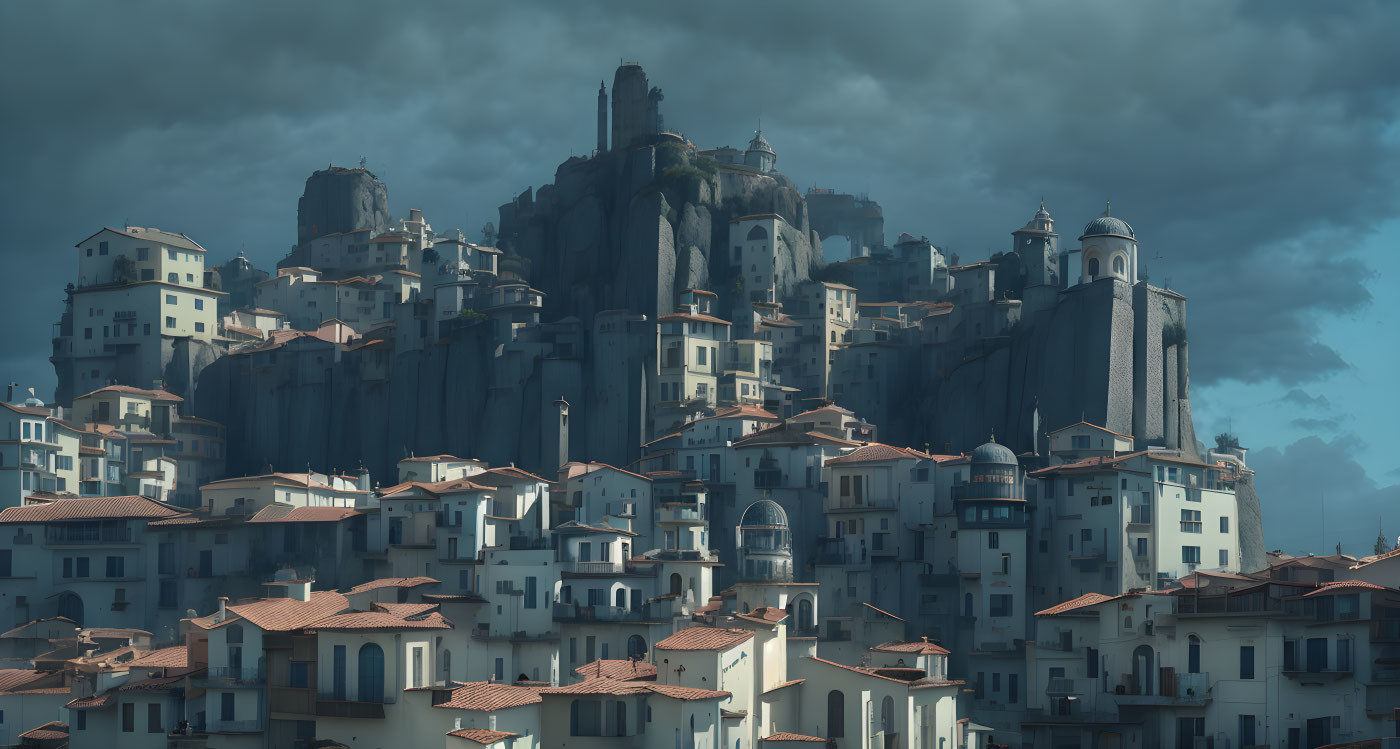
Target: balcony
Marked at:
1059, 687
1173, 690
254, 725
485, 632
860, 504
593, 568
347, 709
62, 535
573, 612
216, 676
679, 513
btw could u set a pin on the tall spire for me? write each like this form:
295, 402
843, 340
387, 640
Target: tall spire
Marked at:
1108, 208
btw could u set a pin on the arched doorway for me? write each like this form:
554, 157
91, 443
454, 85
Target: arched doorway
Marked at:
371, 673
1093, 268
835, 714
620, 599
70, 606
887, 716
675, 583
636, 647
804, 615
1142, 669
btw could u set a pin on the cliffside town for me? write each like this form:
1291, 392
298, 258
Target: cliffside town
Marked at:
638, 466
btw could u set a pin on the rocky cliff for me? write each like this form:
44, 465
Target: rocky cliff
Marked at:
337, 199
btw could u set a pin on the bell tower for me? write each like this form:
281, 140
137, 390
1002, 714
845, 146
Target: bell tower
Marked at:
1039, 248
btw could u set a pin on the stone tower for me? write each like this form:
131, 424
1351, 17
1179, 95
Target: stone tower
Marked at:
602, 117
629, 105
1039, 248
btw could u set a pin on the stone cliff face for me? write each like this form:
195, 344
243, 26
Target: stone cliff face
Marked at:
628, 229
337, 199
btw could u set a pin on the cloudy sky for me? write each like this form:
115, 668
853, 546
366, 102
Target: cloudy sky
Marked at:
1253, 145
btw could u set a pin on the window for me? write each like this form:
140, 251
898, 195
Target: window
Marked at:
226, 711
79, 716
199, 304
146, 329
1093, 267
82, 567
700, 355
1246, 661
1000, 605
129, 717
1118, 265
299, 675
87, 334
1191, 554
116, 567
102, 248
1086, 534
1224, 557
1224, 524
1190, 521
1012, 688
199, 327
172, 277
172, 254
371, 673
143, 253
1079, 442
171, 299
531, 596
993, 540
169, 322
835, 714
153, 723
1142, 547
1344, 654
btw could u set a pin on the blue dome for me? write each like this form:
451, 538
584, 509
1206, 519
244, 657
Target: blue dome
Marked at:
994, 453
1107, 226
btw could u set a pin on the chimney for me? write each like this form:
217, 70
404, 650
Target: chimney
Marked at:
223, 609
299, 590
415, 214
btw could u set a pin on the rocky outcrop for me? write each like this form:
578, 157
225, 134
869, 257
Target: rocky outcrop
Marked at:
337, 199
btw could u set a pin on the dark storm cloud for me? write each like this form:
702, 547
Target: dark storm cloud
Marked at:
1315, 495
1251, 144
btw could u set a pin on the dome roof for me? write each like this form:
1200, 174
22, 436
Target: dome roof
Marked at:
758, 143
1108, 226
1042, 213
994, 453
764, 513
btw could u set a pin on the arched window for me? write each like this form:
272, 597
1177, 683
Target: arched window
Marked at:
1142, 669
1118, 265
804, 614
70, 606
758, 232
620, 600
887, 715
1093, 268
371, 673
1193, 655
636, 647
446, 665
676, 583
835, 714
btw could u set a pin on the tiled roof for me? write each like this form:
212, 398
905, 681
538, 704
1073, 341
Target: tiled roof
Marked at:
1093, 426
20, 679
765, 615
787, 736
674, 316
1379, 557
1341, 585
94, 508
1088, 599
482, 736
51, 731
299, 480
173, 657
617, 669
280, 513
379, 621
874, 673
158, 395
287, 614
920, 647
20, 631
704, 638
876, 452
393, 582
455, 486
510, 473
617, 687
151, 685
94, 702
180, 520
486, 696
784, 685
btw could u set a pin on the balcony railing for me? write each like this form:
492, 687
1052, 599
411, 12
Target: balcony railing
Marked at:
576, 612
595, 568
58, 535
254, 725
234, 675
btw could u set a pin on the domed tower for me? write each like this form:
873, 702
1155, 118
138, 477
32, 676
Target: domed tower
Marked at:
1109, 249
1039, 248
760, 154
992, 549
764, 543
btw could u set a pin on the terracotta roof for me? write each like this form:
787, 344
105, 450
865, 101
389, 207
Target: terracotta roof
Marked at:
31, 410
1376, 558
619, 687
453, 597
94, 702
617, 669
1340, 585
787, 736
158, 395
287, 614
151, 685
300, 480
486, 696
379, 621
697, 318
280, 513
393, 582
51, 731
764, 615
510, 473
19, 631
784, 685
705, 638
90, 508
481, 735
19, 679
1088, 599
455, 486
173, 657
182, 520
920, 647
